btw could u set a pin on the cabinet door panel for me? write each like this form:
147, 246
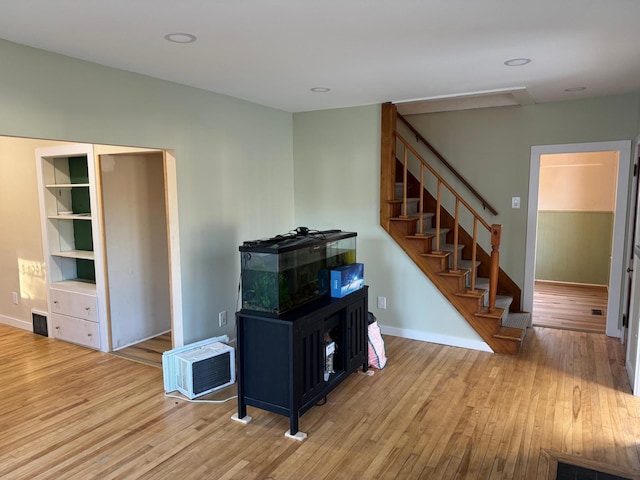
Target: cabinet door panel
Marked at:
74, 304
357, 346
75, 330
312, 360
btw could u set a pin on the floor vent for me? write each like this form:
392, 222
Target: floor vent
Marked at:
554, 465
39, 324
596, 311
567, 471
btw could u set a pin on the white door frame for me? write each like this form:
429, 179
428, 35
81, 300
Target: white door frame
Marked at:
173, 234
633, 320
618, 256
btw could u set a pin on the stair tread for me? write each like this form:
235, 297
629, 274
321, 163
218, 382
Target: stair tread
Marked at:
468, 293
436, 255
409, 199
510, 333
503, 301
417, 236
497, 314
449, 247
521, 320
443, 231
459, 273
467, 264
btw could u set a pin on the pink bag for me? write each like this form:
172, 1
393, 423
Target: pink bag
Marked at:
377, 356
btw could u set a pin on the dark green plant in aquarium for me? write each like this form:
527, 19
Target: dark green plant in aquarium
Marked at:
265, 295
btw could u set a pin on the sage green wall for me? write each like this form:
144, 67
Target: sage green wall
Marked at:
574, 246
234, 163
337, 185
491, 147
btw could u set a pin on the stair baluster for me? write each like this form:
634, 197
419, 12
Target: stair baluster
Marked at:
405, 169
474, 247
455, 237
438, 205
421, 207
496, 233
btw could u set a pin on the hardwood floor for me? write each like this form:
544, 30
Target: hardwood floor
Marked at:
569, 306
435, 412
150, 351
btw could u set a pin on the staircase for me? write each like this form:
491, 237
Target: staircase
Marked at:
434, 239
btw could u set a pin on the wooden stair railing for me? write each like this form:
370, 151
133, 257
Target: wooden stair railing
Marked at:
491, 305
473, 191
493, 230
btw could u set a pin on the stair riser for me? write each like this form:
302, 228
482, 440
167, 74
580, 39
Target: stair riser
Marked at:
422, 245
455, 284
437, 264
402, 228
472, 303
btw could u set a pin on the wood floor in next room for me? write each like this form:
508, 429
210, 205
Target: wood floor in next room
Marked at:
435, 412
150, 351
570, 306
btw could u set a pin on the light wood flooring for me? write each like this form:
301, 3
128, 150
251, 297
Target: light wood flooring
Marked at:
150, 351
435, 412
569, 306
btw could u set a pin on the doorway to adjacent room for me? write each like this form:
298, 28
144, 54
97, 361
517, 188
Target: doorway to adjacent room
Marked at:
595, 230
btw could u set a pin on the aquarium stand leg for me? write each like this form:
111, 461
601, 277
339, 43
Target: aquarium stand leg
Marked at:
299, 436
244, 420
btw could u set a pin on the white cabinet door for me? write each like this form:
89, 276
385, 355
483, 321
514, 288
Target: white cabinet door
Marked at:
74, 304
75, 330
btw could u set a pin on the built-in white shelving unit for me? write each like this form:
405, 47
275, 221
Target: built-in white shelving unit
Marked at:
72, 245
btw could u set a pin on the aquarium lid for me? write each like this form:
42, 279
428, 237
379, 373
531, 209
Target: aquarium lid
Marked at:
294, 240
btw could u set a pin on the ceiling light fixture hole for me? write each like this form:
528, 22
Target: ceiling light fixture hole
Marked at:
180, 37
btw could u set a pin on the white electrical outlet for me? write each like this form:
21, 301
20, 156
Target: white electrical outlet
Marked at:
14, 297
382, 303
515, 202
222, 319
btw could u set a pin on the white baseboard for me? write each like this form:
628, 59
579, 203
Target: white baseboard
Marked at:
14, 322
436, 338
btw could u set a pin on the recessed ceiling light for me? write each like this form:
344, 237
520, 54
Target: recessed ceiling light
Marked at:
180, 37
517, 62
320, 89
575, 89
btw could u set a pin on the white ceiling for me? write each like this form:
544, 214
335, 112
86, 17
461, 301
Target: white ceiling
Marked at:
272, 52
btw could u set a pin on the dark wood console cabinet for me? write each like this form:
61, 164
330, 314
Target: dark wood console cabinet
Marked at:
282, 359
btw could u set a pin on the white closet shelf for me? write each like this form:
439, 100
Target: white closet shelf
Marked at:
82, 254
71, 216
66, 185
76, 285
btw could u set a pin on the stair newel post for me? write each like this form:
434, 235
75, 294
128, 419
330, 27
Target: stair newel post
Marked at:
496, 233
438, 199
474, 246
455, 236
387, 161
405, 167
421, 209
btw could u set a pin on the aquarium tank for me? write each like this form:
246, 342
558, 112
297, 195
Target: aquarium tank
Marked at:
286, 271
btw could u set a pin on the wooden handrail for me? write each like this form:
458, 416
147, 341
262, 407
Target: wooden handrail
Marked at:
442, 180
419, 136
